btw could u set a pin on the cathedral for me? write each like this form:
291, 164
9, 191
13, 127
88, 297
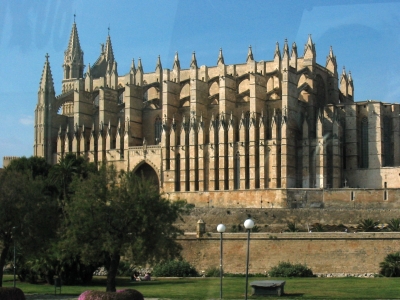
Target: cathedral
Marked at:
223, 131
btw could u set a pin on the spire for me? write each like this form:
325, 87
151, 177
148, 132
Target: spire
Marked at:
73, 56
139, 66
344, 75
294, 50
193, 63
158, 64
350, 78
88, 74
177, 64
109, 54
309, 49
249, 54
331, 64
277, 52
293, 56
74, 50
220, 57
46, 82
286, 49
133, 69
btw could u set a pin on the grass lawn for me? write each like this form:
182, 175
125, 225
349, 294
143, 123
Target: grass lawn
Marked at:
233, 288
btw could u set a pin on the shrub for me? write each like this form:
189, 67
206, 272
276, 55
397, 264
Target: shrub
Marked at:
175, 268
11, 293
212, 272
390, 267
287, 269
128, 294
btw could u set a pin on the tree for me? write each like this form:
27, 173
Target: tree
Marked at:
28, 215
33, 166
62, 174
112, 213
390, 267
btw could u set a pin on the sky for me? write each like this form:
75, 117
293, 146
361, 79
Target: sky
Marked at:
364, 35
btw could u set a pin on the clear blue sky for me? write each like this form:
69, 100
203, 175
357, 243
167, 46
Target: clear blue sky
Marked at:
365, 36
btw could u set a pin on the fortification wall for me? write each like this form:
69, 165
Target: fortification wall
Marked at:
327, 253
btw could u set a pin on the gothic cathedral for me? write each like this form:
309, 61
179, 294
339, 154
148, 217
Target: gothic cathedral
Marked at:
285, 123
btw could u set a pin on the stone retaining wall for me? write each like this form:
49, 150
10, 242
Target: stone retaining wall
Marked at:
324, 253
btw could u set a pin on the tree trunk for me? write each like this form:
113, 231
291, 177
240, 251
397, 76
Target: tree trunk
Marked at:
3, 262
112, 272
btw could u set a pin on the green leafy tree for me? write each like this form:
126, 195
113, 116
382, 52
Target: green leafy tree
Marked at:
113, 213
33, 166
28, 215
394, 225
368, 225
390, 267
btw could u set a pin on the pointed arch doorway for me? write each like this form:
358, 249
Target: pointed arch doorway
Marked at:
149, 173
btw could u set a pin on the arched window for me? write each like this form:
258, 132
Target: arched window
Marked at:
387, 142
364, 143
157, 129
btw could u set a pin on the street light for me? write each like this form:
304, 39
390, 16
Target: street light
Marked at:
248, 224
221, 229
14, 251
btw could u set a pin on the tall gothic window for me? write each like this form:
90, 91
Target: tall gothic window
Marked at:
387, 142
237, 177
178, 172
157, 130
364, 143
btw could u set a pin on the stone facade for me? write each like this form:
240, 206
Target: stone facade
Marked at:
258, 129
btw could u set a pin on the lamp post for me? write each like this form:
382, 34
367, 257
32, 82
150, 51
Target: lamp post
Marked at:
248, 224
14, 251
221, 229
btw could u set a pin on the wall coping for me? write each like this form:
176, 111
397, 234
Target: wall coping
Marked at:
296, 236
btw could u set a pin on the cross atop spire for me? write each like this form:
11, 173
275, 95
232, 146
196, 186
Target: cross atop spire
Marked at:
46, 82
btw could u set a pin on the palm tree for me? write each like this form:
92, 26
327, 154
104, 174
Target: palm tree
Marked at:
291, 227
368, 225
390, 267
394, 225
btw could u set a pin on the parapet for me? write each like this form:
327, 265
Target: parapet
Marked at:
7, 160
